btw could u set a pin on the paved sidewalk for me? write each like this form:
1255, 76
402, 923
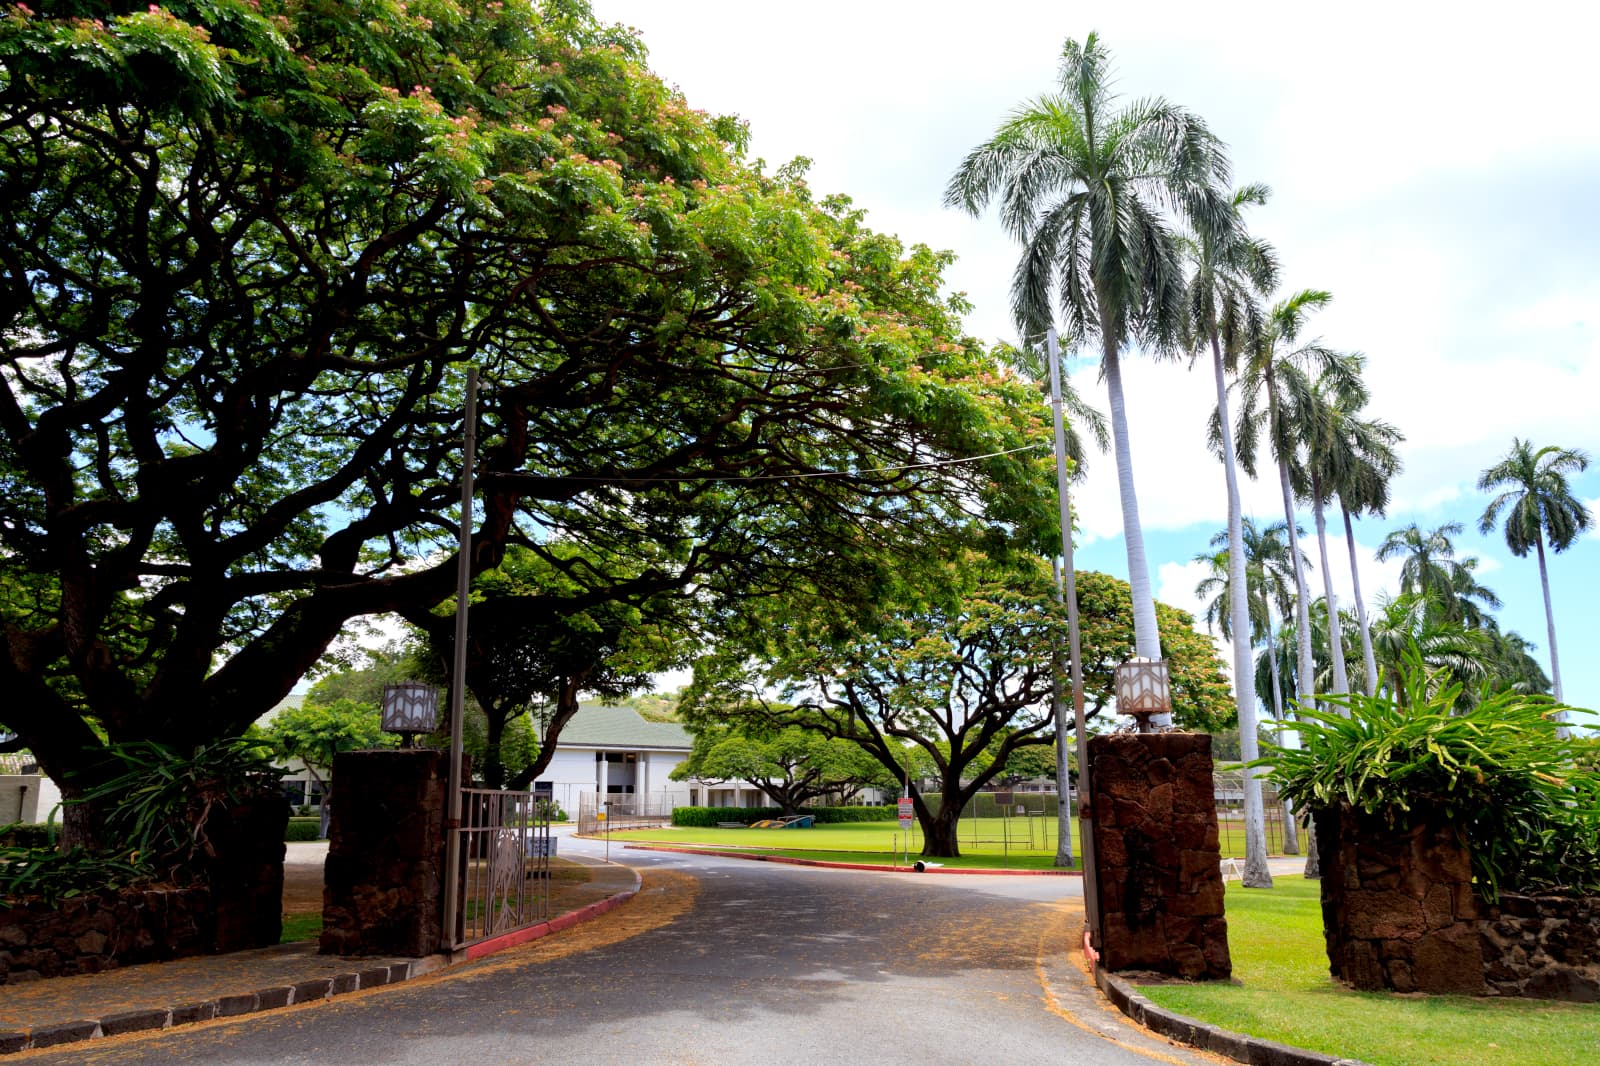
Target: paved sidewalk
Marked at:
160, 995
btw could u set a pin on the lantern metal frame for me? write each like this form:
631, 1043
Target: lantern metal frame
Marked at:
409, 708
1144, 689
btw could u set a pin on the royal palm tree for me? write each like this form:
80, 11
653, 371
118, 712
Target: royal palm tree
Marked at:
1539, 506
1361, 458
1412, 621
1429, 569
1084, 184
1268, 575
1272, 385
1231, 269
1329, 428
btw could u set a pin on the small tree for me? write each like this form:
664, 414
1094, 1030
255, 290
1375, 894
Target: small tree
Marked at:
960, 678
792, 766
315, 732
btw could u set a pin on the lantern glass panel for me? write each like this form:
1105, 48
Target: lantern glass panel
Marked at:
410, 707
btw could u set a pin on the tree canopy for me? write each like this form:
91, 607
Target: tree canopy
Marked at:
793, 766
956, 672
247, 249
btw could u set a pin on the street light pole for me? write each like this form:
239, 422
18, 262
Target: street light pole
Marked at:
458, 671
1067, 589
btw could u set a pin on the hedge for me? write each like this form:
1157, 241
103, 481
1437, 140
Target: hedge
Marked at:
303, 828
34, 837
702, 817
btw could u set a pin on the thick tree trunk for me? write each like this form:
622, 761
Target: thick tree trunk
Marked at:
939, 830
1369, 661
1341, 684
1256, 874
494, 767
1147, 639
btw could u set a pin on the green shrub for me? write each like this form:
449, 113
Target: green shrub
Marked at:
702, 817
162, 799
831, 815
28, 836
303, 829
1527, 812
55, 875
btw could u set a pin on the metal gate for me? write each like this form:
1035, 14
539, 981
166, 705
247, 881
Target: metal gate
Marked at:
503, 849
623, 810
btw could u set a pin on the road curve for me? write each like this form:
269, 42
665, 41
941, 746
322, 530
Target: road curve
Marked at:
722, 961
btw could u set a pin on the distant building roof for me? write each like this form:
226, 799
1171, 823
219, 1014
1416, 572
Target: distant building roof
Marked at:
294, 700
598, 726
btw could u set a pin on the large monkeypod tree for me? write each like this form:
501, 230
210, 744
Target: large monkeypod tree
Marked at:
951, 676
246, 248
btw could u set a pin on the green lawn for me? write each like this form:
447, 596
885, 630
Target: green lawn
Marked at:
1018, 843
1287, 995
300, 927
982, 844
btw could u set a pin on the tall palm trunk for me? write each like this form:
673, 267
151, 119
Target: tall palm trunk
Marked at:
1550, 623
1341, 684
1146, 638
1256, 873
1291, 830
1305, 666
1368, 659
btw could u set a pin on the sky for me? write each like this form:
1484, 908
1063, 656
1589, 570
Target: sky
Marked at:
1434, 168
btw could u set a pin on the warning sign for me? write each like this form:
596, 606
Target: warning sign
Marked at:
907, 815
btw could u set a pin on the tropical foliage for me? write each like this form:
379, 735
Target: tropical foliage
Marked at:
1499, 772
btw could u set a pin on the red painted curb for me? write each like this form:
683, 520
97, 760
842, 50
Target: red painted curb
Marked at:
791, 861
554, 925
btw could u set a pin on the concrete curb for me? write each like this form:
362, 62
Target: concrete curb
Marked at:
1207, 1037
315, 990
790, 861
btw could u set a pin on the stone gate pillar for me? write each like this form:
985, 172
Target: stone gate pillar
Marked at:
1398, 906
384, 879
1157, 855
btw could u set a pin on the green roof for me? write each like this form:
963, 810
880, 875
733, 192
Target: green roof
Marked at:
598, 726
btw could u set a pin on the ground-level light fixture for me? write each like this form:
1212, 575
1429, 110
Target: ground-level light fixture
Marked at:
1144, 688
409, 708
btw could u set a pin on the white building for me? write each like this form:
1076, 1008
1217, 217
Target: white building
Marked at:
26, 795
614, 751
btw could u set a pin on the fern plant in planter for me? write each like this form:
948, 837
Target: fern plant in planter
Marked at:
1522, 800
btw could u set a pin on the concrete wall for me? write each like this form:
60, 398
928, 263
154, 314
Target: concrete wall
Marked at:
28, 798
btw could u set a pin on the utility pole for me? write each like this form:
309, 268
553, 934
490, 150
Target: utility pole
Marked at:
458, 671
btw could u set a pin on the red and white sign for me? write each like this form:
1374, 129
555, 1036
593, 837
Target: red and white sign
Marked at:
907, 815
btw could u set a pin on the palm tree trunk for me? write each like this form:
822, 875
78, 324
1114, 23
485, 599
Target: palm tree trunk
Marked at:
1146, 638
1256, 874
1058, 710
1305, 668
1368, 659
1550, 623
1291, 830
1341, 684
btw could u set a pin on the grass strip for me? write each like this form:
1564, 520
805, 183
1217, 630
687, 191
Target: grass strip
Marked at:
1286, 994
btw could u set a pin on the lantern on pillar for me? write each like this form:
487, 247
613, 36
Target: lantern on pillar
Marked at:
1144, 689
409, 708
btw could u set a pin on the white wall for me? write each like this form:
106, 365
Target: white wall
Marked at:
28, 798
